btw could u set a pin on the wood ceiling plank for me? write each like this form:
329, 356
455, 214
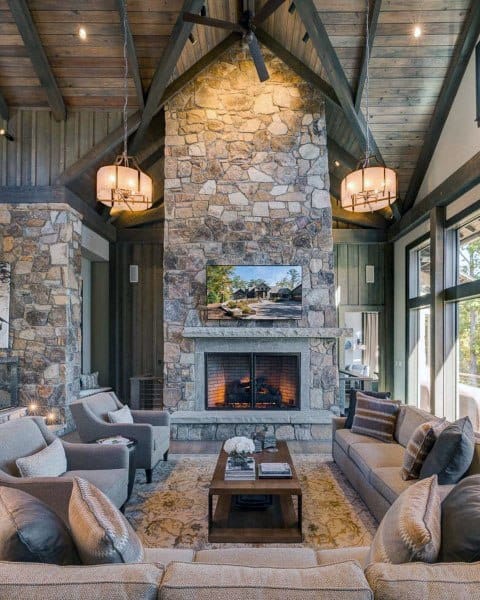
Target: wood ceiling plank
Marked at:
423, 16
165, 68
463, 50
372, 32
31, 39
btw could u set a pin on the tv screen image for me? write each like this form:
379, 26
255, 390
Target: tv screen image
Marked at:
263, 293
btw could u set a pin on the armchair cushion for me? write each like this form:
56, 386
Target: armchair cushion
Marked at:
101, 532
49, 462
31, 532
113, 483
123, 415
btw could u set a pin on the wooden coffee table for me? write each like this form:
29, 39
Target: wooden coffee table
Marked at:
281, 522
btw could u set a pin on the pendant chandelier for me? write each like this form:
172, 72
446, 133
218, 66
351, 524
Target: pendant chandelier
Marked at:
368, 188
122, 185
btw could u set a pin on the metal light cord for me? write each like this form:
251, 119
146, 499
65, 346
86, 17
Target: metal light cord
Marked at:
367, 80
125, 84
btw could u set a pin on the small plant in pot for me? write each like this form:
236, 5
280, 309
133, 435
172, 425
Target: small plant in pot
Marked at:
238, 448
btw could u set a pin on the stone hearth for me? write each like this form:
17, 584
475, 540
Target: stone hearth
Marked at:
246, 183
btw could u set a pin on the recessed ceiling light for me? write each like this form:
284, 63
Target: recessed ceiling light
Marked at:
336, 163
82, 33
417, 32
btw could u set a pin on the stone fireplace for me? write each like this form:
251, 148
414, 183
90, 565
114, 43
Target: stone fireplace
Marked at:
246, 183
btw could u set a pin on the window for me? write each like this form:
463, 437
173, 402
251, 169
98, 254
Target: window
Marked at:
468, 241
468, 360
418, 330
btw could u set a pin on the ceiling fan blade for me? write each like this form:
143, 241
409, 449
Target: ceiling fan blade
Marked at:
192, 18
257, 56
269, 8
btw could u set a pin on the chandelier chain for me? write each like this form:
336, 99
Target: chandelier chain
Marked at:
125, 81
367, 81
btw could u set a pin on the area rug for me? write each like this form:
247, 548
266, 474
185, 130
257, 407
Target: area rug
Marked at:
172, 510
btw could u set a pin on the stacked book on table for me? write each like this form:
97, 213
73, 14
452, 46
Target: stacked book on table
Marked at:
274, 470
235, 472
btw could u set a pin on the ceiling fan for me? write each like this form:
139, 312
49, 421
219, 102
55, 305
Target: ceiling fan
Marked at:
246, 26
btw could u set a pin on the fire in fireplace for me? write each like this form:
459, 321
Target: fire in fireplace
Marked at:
252, 381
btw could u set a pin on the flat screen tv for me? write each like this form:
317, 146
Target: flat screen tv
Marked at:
254, 293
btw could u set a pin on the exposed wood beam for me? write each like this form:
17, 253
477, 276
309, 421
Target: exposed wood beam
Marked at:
31, 39
372, 30
131, 52
127, 219
150, 235
336, 75
368, 220
60, 195
111, 141
339, 153
4, 112
171, 54
459, 183
456, 70
359, 236
299, 68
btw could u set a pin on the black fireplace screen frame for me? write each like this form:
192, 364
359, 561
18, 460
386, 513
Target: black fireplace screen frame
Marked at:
252, 356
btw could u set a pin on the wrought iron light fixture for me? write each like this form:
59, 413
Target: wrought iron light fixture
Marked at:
368, 188
122, 185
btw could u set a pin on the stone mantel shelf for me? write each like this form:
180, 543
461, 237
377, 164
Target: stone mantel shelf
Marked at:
267, 332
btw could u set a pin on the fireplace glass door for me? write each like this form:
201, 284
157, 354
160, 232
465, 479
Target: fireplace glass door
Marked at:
252, 381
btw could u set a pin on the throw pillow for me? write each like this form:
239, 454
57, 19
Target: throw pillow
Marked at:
353, 402
31, 532
418, 447
451, 454
375, 418
49, 462
411, 528
461, 522
89, 381
100, 531
122, 415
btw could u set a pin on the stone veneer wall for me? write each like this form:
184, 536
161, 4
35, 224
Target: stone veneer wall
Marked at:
246, 183
42, 243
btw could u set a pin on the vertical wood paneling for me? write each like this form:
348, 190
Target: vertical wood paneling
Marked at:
44, 148
352, 290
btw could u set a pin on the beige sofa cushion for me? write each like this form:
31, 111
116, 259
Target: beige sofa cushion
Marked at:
415, 581
388, 482
372, 456
339, 555
346, 438
293, 558
164, 556
409, 418
411, 529
52, 582
226, 582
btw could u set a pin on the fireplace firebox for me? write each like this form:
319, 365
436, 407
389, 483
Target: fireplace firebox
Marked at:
261, 381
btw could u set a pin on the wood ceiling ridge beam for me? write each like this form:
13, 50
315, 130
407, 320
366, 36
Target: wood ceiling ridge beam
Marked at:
131, 53
367, 220
126, 219
458, 63
111, 141
4, 110
372, 28
336, 75
38, 58
458, 183
171, 54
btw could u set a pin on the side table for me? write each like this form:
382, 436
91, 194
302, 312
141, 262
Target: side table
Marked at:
131, 445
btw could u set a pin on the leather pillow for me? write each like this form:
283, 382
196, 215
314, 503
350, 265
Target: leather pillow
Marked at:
49, 462
122, 415
31, 532
353, 403
451, 454
461, 522
100, 531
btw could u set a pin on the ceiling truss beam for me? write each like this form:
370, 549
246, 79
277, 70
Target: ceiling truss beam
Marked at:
131, 53
38, 58
4, 111
372, 30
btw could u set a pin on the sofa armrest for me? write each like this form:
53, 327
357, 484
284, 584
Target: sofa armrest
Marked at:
95, 456
338, 423
455, 581
153, 417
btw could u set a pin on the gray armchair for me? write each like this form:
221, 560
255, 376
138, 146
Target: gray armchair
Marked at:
104, 466
150, 429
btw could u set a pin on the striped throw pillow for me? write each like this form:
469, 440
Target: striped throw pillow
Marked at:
418, 447
375, 418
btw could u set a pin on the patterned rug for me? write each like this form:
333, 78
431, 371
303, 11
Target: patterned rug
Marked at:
172, 510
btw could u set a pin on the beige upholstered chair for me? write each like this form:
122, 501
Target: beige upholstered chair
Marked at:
150, 429
105, 467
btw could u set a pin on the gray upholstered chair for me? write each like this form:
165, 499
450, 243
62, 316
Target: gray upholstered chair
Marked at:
104, 466
150, 429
